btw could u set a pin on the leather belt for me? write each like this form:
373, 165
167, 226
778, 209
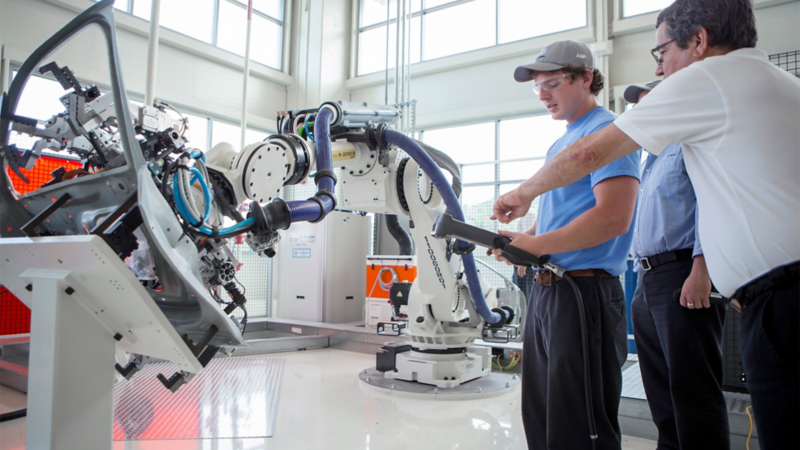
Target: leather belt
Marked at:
545, 277
776, 277
650, 262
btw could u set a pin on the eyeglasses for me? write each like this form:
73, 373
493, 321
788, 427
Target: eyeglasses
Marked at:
550, 84
658, 55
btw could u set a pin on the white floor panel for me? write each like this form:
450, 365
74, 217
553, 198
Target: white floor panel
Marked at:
322, 407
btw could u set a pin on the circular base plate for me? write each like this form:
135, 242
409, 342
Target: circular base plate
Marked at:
495, 384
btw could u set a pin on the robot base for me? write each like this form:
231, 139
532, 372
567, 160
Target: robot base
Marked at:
495, 384
443, 370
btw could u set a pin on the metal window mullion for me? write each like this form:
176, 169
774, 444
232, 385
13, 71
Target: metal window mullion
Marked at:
209, 125
497, 158
265, 16
490, 183
215, 29
496, 22
504, 161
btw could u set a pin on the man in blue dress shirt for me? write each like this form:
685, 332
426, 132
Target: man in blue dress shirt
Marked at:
587, 228
679, 344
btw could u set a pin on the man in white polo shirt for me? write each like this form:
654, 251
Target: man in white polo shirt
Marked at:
738, 119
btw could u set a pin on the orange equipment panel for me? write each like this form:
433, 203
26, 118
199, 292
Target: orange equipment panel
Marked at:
404, 266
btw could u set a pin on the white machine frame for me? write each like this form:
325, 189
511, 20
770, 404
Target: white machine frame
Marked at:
85, 304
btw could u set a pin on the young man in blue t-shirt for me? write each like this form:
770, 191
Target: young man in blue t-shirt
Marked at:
586, 228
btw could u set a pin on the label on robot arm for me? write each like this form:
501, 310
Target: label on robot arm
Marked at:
297, 330
340, 155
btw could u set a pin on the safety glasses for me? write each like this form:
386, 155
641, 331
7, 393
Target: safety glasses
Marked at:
550, 84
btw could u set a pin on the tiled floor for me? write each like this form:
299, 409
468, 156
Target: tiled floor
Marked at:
322, 407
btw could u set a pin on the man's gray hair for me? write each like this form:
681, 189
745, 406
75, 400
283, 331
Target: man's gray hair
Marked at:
731, 24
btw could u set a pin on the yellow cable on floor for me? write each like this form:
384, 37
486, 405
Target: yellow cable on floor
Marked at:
748, 409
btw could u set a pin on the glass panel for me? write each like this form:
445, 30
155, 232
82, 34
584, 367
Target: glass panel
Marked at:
374, 11
39, 100
477, 202
527, 138
121, 5
459, 29
434, 3
635, 7
465, 144
232, 28
266, 42
372, 47
272, 8
194, 18
197, 131
141, 9
519, 170
251, 136
522, 19
225, 132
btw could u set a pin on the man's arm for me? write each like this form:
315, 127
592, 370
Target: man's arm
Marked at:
611, 217
571, 164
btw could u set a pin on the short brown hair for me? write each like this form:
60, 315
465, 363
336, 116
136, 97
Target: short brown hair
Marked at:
598, 80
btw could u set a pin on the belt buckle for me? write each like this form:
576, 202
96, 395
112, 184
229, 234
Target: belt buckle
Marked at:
645, 262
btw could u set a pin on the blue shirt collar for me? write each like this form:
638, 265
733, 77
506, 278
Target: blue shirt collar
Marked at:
584, 118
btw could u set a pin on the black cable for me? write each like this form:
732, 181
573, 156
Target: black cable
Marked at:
586, 360
5, 417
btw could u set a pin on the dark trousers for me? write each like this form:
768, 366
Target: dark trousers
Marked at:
680, 358
553, 402
525, 284
770, 344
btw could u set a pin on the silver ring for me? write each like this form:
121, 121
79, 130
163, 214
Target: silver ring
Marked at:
690, 304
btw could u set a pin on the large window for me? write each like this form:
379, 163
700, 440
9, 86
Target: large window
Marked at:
636, 7
495, 157
446, 27
222, 23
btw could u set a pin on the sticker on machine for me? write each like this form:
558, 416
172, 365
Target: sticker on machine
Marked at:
341, 155
301, 253
300, 239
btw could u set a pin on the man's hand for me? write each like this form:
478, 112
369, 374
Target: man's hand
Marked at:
697, 287
510, 206
521, 270
520, 240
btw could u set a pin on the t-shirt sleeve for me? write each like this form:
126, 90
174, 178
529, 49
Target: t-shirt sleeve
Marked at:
687, 107
629, 165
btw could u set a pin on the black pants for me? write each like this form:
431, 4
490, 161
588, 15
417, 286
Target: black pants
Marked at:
770, 344
553, 402
680, 358
525, 284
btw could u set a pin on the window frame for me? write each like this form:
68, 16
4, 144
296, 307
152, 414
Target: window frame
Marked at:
215, 27
496, 162
358, 29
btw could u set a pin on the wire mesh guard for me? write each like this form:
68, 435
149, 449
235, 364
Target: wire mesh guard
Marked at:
787, 61
231, 398
256, 277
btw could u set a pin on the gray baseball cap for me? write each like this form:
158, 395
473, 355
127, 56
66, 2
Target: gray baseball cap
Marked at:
557, 56
632, 93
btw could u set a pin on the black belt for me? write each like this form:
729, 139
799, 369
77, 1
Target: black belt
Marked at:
776, 277
663, 258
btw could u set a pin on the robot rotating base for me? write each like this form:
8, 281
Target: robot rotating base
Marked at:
493, 385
